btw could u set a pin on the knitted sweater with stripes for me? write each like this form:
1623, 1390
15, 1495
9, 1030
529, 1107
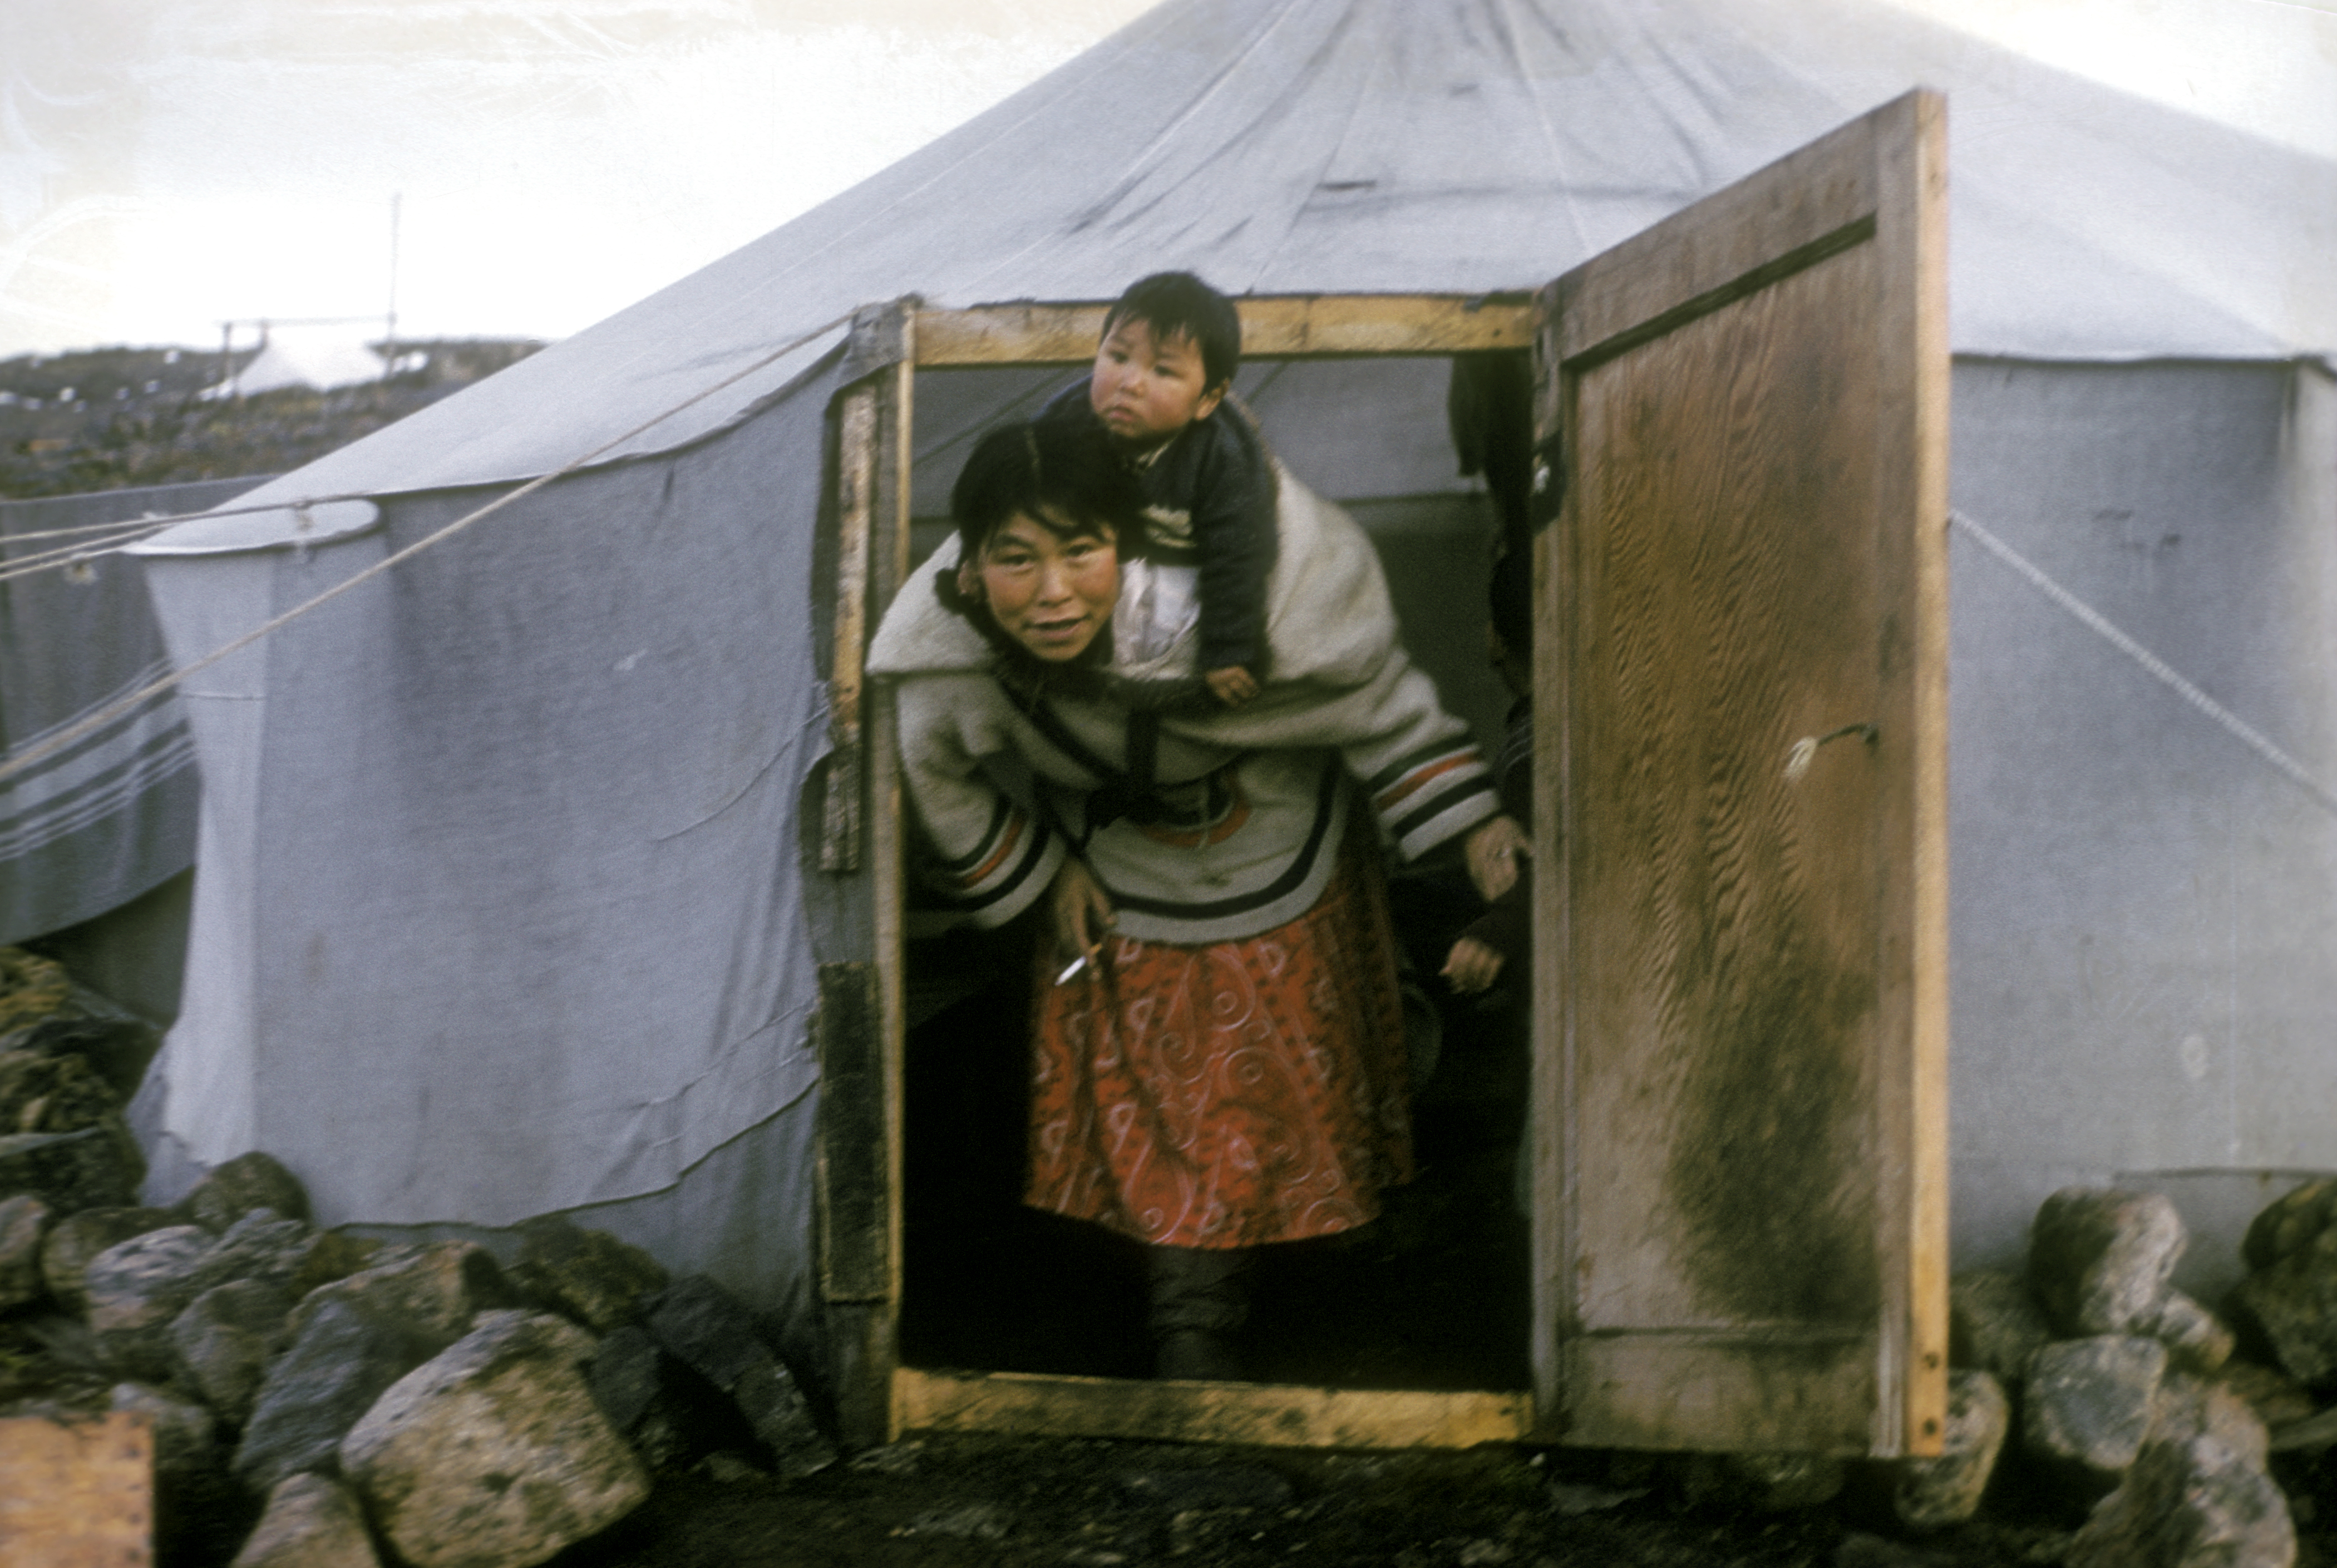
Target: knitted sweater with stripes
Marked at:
1201, 827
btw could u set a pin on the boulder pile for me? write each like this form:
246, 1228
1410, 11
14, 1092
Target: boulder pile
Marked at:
322, 1398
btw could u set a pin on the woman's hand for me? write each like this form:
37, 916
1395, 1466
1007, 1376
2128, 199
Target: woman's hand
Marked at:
1472, 966
1082, 914
1493, 849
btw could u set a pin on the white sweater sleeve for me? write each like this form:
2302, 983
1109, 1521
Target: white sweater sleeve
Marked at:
981, 858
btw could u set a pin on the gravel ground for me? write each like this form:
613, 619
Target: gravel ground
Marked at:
1019, 1504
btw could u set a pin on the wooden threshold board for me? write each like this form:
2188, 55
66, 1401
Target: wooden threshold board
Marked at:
1262, 1414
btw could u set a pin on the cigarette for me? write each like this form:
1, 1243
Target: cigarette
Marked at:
1071, 969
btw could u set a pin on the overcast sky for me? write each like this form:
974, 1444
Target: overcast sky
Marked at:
166, 163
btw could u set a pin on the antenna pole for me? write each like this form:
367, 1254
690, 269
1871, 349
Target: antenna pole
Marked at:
389, 335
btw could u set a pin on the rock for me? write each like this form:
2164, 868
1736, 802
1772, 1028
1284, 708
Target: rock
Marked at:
2289, 1223
40, 1353
2193, 1406
117, 1049
75, 1239
1946, 1489
625, 1376
332, 1254
1761, 1483
45, 1094
710, 1331
248, 1181
669, 1412
225, 1338
2099, 1259
65, 1141
2276, 1395
1994, 1324
311, 1521
31, 988
23, 1220
2290, 1308
2313, 1434
2195, 1337
590, 1275
629, 1381
95, 1167
439, 1287
200, 1513
2189, 1503
2088, 1406
258, 1245
186, 1437
135, 1288
341, 1359
493, 1455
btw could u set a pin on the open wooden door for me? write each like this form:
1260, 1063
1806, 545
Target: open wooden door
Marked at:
1741, 963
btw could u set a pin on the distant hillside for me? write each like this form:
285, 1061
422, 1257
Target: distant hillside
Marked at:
107, 418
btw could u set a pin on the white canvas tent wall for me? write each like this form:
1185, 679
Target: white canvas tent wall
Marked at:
503, 907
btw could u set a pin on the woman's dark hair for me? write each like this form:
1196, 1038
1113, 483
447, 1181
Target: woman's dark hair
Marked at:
1057, 471
1179, 305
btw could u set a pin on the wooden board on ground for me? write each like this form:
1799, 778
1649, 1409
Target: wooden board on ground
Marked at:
1272, 1416
77, 1495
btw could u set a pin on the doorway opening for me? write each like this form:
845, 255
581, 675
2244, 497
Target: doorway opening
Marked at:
1430, 1302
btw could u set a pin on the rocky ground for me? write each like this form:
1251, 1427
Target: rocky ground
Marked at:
1026, 1505
322, 1400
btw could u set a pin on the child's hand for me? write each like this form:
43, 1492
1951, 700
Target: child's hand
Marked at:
1472, 966
1232, 686
1492, 850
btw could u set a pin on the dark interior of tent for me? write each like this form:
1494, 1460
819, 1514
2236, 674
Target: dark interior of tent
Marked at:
1430, 454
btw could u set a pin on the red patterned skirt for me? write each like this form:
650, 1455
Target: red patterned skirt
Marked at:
1231, 1095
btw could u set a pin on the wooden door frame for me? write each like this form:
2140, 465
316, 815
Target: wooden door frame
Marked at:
863, 1017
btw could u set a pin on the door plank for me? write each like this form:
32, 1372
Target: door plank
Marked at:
1291, 326
1740, 1042
1268, 1414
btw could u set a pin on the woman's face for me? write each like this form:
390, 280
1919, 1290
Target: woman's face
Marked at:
1050, 592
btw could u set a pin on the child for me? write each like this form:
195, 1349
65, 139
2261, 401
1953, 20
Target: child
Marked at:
1502, 937
1159, 391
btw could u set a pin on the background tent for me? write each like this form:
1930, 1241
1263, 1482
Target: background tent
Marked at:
503, 905
318, 357
111, 817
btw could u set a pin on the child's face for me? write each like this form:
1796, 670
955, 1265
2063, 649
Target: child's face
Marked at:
1146, 387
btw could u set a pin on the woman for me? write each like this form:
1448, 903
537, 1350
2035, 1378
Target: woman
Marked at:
1218, 1061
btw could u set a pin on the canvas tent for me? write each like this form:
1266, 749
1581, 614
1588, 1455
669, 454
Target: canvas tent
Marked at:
110, 818
318, 357
510, 897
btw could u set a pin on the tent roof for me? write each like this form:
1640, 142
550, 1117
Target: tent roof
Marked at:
1280, 146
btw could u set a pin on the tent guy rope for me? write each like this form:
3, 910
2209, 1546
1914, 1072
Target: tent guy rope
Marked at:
113, 710
2158, 669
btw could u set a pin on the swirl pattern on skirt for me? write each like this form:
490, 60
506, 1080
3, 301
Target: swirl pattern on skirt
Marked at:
1231, 1095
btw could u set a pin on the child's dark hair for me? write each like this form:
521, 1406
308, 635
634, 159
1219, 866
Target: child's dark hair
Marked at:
1177, 304
1056, 473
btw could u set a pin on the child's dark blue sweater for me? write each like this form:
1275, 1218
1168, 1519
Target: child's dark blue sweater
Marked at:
1209, 500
